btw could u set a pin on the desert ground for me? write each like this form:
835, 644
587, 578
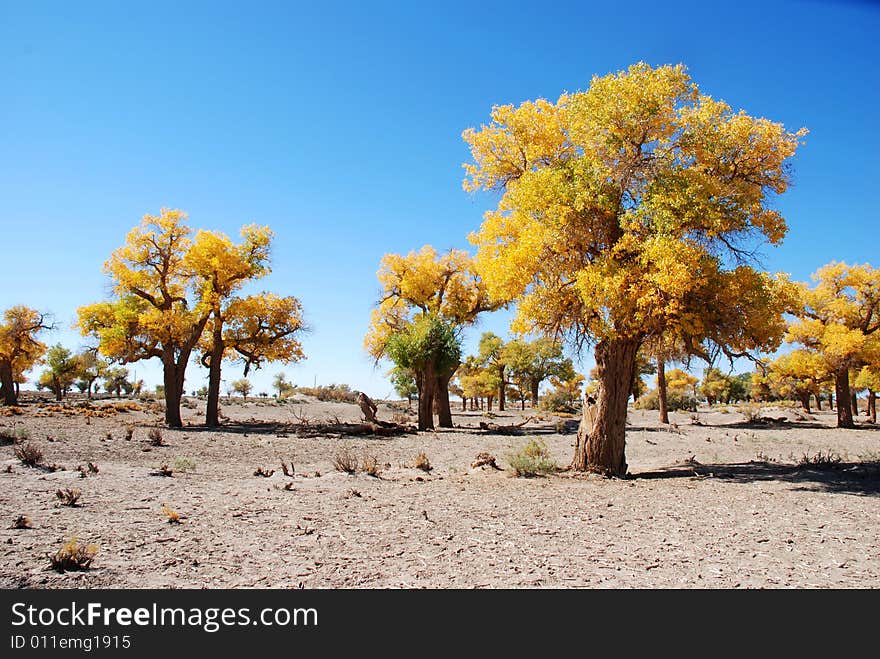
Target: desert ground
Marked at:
712, 501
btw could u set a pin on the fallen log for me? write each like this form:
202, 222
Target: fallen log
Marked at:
495, 429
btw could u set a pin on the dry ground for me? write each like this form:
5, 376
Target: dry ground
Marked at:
717, 505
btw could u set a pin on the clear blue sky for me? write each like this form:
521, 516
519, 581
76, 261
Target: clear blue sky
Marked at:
339, 124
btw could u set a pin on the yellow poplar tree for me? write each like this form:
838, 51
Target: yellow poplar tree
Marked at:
838, 319
426, 283
799, 375
629, 211
224, 267
156, 312
20, 349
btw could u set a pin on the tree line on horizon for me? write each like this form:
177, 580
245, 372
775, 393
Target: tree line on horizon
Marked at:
627, 219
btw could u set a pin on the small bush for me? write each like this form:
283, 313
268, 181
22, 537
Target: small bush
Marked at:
345, 460
165, 471
155, 437
93, 468
422, 462
7, 436
751, 411
484, 460
73, 556
532, 460
338, 393
674, 402
371, 466
265, 473
129, 433
68, 497
29, 454
289, 470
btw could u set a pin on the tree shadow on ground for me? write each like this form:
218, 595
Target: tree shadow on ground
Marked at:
783, 425
862, 478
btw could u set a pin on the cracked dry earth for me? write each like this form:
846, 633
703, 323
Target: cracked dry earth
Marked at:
713, 502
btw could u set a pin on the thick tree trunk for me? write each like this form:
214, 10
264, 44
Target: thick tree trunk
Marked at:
502, 396
661, 390
173, 379
212, 412
855, 406
872, 406
818, 398
535, 386
426, 398
805, 401
841, 390
489, 400
7, 384
441, 395
601, 447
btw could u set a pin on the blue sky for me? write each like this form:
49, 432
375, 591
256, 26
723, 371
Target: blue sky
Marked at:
339, 125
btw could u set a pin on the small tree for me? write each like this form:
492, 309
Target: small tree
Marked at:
404, 383
282, 387
89, 369
426, 346
243, 387
20, 350
116, 382
61, 374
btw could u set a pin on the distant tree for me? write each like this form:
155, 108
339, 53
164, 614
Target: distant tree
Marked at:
282, 387
116, 381
243, 387
404, 382
89, 369
839, 319
61, 373
427, 284
492, 355
20, 349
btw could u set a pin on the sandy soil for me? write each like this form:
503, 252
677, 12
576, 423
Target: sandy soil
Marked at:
717, 504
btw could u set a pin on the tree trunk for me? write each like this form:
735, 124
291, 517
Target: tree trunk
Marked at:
805, 401
818, 398
872, 405
841, 391
212, 413
855, 406
501, 387
535, 386
173, 392
661, 390
489, 400
602, 446
426, 398
441, 395
7, 384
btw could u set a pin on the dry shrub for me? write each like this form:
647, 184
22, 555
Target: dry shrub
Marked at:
827, 460
155, 437
73, 556
288, 470
751, 411
345, 460
265, 473
129, 433
29, 454
22, 522
11, 411
69, 497
370, 465
7, 436
422, 462
165, 471
484, 460
93, 468
172, 515
400, 418
532, 460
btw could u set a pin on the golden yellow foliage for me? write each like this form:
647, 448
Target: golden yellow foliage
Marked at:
20, 349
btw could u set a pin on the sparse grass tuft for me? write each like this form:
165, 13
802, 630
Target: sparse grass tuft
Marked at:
69, 497
73, 556
532, 460
184, 464
29, 454
346, 461
751, 411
